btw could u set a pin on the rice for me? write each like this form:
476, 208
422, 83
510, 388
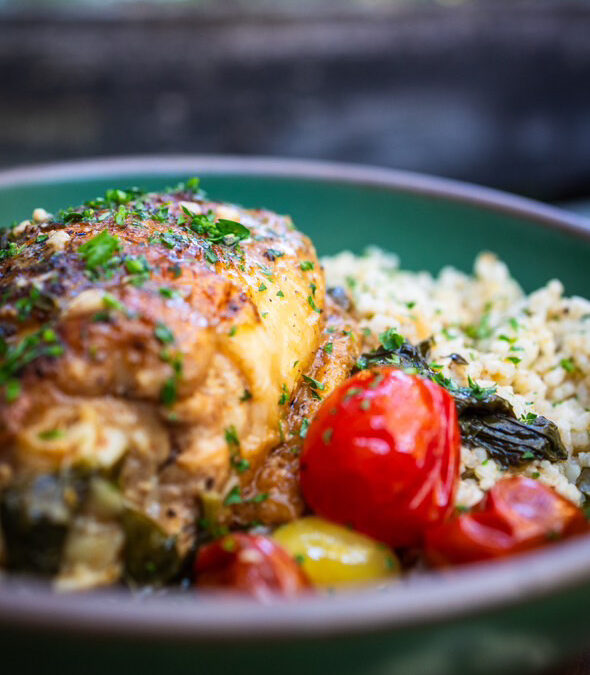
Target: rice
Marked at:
535, 349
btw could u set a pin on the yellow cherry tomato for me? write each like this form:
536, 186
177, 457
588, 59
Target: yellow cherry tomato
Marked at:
334, 556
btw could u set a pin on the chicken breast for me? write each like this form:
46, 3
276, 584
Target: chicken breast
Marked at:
149, 343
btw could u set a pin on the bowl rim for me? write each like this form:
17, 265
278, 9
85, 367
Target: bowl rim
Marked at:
434, 597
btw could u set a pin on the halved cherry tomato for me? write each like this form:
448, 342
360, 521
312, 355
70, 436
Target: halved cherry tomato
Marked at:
251, 564
517, 514
382, 456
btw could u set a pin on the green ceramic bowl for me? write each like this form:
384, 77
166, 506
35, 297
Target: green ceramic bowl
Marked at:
512, 616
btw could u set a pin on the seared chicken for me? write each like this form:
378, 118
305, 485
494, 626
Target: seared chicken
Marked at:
150, 344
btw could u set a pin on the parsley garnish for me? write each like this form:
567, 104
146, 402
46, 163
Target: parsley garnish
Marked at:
391, 339
284, 395
314, 384
11, 250
15, 357
568, 365
169, 393
163, 333
306, 266
99, 251
168, 293
311, 303
272, 253
304, 427
51, 434
479, 392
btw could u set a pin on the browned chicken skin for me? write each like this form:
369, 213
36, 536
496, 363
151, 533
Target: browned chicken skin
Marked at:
153, 349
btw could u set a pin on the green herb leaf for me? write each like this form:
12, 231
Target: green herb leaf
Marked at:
568, 365
163, 333
99, 250
391, 339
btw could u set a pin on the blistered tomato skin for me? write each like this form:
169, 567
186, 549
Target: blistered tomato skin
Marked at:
335, 556
517, 514
252, 565
382, 456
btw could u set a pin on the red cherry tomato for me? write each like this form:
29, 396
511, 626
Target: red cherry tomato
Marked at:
382, 456
517, 514
251, 564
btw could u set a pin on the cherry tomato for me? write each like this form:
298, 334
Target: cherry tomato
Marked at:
382, 456
251, 564
517, 514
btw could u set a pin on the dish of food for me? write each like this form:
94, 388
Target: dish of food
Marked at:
189, 399
418, 605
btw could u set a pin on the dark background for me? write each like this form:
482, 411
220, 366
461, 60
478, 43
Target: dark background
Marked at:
495, 92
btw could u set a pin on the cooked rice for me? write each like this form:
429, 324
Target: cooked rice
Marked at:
534, 348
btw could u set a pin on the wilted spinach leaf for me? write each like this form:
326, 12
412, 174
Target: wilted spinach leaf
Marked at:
485, 419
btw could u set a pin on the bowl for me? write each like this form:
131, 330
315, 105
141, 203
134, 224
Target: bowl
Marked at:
518, 615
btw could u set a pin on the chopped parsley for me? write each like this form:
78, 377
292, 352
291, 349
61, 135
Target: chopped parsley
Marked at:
311, 303
14, 358
314, 384
11, 250
51, 434
246, 396
163, 333
169, 392
479, 392
222, 231
110, 302
121, 216
304, 427
568, 365
514, 323
234, 496
329, 347
210, 255
481, 330
231, 436
513, 359
114, 198
284, 395
138, 269
98, 252
391, 339
306, 266
168, 293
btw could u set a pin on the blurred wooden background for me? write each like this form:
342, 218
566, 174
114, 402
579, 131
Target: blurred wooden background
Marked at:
494, 92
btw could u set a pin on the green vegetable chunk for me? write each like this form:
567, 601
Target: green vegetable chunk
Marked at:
36, 516
150, 555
